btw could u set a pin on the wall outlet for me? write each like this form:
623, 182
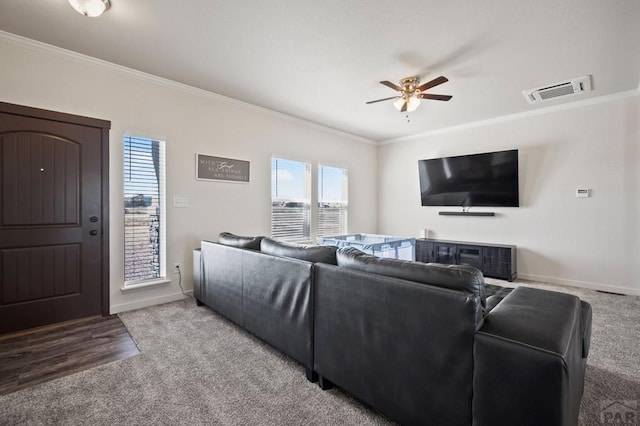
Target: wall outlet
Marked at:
177, 268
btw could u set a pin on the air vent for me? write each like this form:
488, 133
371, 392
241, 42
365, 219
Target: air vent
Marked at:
566, 88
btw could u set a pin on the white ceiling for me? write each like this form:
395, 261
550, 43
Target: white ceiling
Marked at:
322, 60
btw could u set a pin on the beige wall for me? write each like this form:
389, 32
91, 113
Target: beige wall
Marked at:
190, 121
592, 242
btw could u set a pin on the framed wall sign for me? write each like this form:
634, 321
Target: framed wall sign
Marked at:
221, 169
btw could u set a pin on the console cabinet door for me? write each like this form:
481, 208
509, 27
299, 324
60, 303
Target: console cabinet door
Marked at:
445, 253
497, 262
424, 251
470, 255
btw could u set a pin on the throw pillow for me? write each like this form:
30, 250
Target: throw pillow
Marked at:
237, 241
323, 254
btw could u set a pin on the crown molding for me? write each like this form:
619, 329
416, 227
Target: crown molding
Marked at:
510, 117
31, 44
56, 51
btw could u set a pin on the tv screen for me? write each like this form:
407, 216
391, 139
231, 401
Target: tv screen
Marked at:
487, 180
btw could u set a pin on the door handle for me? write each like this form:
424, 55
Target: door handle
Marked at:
93, 219
93, 232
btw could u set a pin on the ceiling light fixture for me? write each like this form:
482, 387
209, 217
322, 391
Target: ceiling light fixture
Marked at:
412, 103
91, 8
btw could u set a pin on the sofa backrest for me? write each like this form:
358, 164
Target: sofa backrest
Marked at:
267, 295
401, 346
322, 254
455, 277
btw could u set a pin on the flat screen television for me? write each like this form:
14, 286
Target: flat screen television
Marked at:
486, 180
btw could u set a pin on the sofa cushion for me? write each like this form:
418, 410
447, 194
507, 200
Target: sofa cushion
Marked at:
324, 254
237, 241
455, 277
495, 294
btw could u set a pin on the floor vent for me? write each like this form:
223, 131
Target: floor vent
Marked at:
566, 88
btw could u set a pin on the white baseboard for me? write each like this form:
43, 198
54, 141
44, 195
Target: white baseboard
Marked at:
582, 284
114, 309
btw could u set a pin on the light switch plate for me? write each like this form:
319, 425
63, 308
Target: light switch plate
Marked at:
180, 202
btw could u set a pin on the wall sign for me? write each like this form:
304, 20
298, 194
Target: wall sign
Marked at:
219, 168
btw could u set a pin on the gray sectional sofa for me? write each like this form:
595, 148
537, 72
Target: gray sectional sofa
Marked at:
420, 343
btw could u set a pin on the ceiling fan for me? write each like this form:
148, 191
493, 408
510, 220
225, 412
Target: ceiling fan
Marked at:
411, 91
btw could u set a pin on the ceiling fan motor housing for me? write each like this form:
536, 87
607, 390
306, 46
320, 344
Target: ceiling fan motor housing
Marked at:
409, 85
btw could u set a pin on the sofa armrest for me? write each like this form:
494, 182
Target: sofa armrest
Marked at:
586, 328
528, 360
197, 275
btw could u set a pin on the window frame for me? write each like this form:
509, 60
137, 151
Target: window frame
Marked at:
162, 212
314, 198
346, 201
310, 191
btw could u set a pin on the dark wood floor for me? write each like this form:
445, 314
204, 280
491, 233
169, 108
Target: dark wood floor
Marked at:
34, 356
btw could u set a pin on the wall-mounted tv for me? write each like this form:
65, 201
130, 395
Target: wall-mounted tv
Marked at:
487, 180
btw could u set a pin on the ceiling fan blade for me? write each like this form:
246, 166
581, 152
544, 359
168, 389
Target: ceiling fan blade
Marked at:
432, 83
385, 99
392, 86
434, 97
404, 106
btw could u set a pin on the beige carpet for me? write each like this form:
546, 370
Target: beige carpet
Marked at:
197, 368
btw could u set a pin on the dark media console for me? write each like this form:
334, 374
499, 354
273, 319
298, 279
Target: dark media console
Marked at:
494, 260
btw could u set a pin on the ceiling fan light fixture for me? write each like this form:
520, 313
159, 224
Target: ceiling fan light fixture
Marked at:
91, 8
412, 104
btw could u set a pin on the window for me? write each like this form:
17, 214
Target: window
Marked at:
290, 199
144, 210
332, 201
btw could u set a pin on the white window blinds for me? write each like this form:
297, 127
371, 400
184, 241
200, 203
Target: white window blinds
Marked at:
290, 199
144, 199
332, 201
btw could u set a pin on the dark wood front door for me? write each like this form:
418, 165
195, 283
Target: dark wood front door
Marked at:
51, 217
